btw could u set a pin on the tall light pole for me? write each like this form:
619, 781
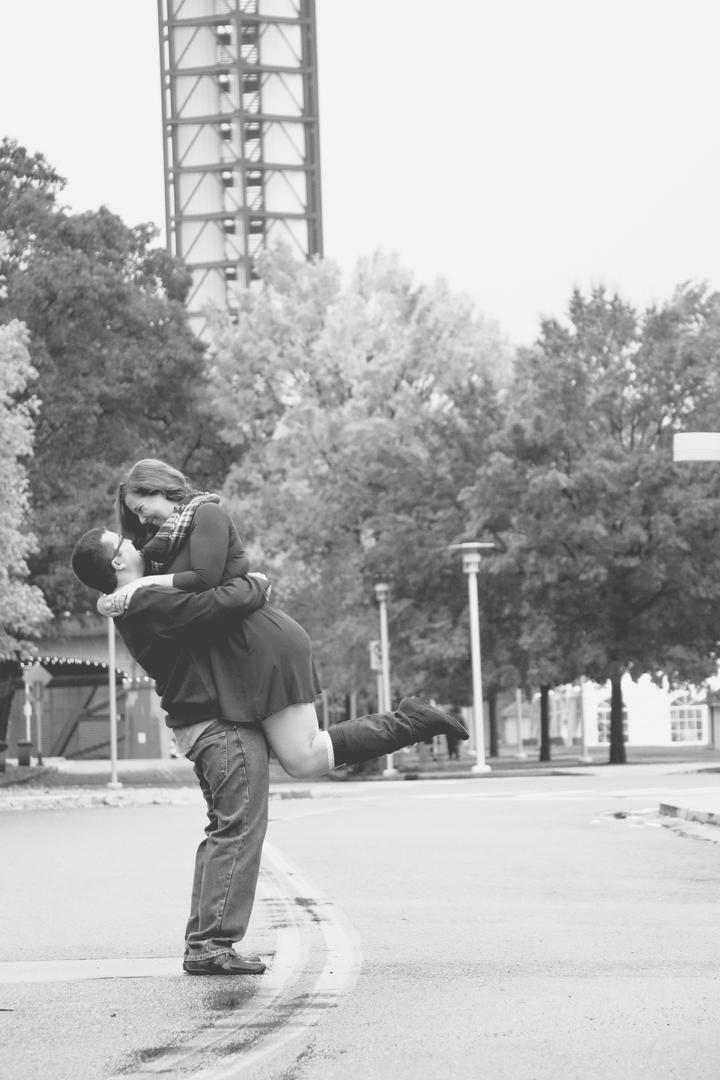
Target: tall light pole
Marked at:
521, 755
382, 591
24, 746
112, 702
585, 756
470, 552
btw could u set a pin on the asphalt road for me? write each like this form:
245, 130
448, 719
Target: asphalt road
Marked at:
522, 928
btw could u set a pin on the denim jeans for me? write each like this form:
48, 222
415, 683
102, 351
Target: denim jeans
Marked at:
231, 764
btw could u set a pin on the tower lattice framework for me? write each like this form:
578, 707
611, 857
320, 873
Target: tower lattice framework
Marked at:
241, 138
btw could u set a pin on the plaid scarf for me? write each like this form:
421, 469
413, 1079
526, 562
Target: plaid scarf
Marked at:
173, 532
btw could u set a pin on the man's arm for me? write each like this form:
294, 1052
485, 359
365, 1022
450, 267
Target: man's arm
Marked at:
117, 603
171, 613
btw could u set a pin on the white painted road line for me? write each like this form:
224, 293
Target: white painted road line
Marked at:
292, 947
317, 960
302, 1011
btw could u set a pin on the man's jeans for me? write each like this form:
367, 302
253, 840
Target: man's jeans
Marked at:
231, 763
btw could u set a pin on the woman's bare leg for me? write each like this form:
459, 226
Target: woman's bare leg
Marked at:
301, 747
304, 751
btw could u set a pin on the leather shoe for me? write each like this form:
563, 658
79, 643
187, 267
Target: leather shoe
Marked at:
231, 963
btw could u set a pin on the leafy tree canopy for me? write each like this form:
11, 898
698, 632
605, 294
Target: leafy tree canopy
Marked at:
23, 609
119, 374
374, 399
614, 545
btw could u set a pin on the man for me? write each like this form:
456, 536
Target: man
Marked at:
169, 633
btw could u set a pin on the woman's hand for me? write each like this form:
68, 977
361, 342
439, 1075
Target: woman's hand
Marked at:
263, 580
116, 603
113, 604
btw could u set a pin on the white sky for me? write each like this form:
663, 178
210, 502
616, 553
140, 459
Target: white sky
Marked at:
514, 147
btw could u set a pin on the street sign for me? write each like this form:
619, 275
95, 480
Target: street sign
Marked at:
696, 446
36, 673
375, 656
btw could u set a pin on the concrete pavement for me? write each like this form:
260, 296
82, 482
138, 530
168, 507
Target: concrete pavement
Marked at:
115, 993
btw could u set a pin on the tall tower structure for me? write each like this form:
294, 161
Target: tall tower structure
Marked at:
241, 137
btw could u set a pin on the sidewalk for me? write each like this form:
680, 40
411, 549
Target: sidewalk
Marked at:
61, 782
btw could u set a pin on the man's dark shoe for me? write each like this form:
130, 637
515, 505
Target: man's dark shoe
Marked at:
430, 721
231, 963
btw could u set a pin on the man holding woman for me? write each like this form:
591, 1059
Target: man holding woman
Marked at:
264, 671
232, 671
171, 633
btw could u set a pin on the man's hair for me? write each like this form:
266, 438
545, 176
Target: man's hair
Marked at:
91, 562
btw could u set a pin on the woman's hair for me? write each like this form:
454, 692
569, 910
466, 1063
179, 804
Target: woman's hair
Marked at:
91, 561
148, 477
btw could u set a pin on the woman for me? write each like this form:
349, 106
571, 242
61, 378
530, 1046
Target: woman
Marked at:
187, 539
190, 543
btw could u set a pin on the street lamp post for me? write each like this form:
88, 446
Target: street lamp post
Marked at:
112, 702
382, 591
36, 678
470, 552
521, 755
585, 756
25, 745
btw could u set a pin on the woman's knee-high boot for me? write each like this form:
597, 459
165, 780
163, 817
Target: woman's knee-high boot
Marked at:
383, 733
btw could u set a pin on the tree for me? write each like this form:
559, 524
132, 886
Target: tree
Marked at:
23, 609
615, 546
375, 398
119, 373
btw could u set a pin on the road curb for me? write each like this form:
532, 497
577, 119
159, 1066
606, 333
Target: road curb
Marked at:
689, 813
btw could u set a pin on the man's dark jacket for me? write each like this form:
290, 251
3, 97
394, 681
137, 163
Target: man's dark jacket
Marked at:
171, 633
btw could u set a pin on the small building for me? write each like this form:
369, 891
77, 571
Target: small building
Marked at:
654, 715
67, 712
